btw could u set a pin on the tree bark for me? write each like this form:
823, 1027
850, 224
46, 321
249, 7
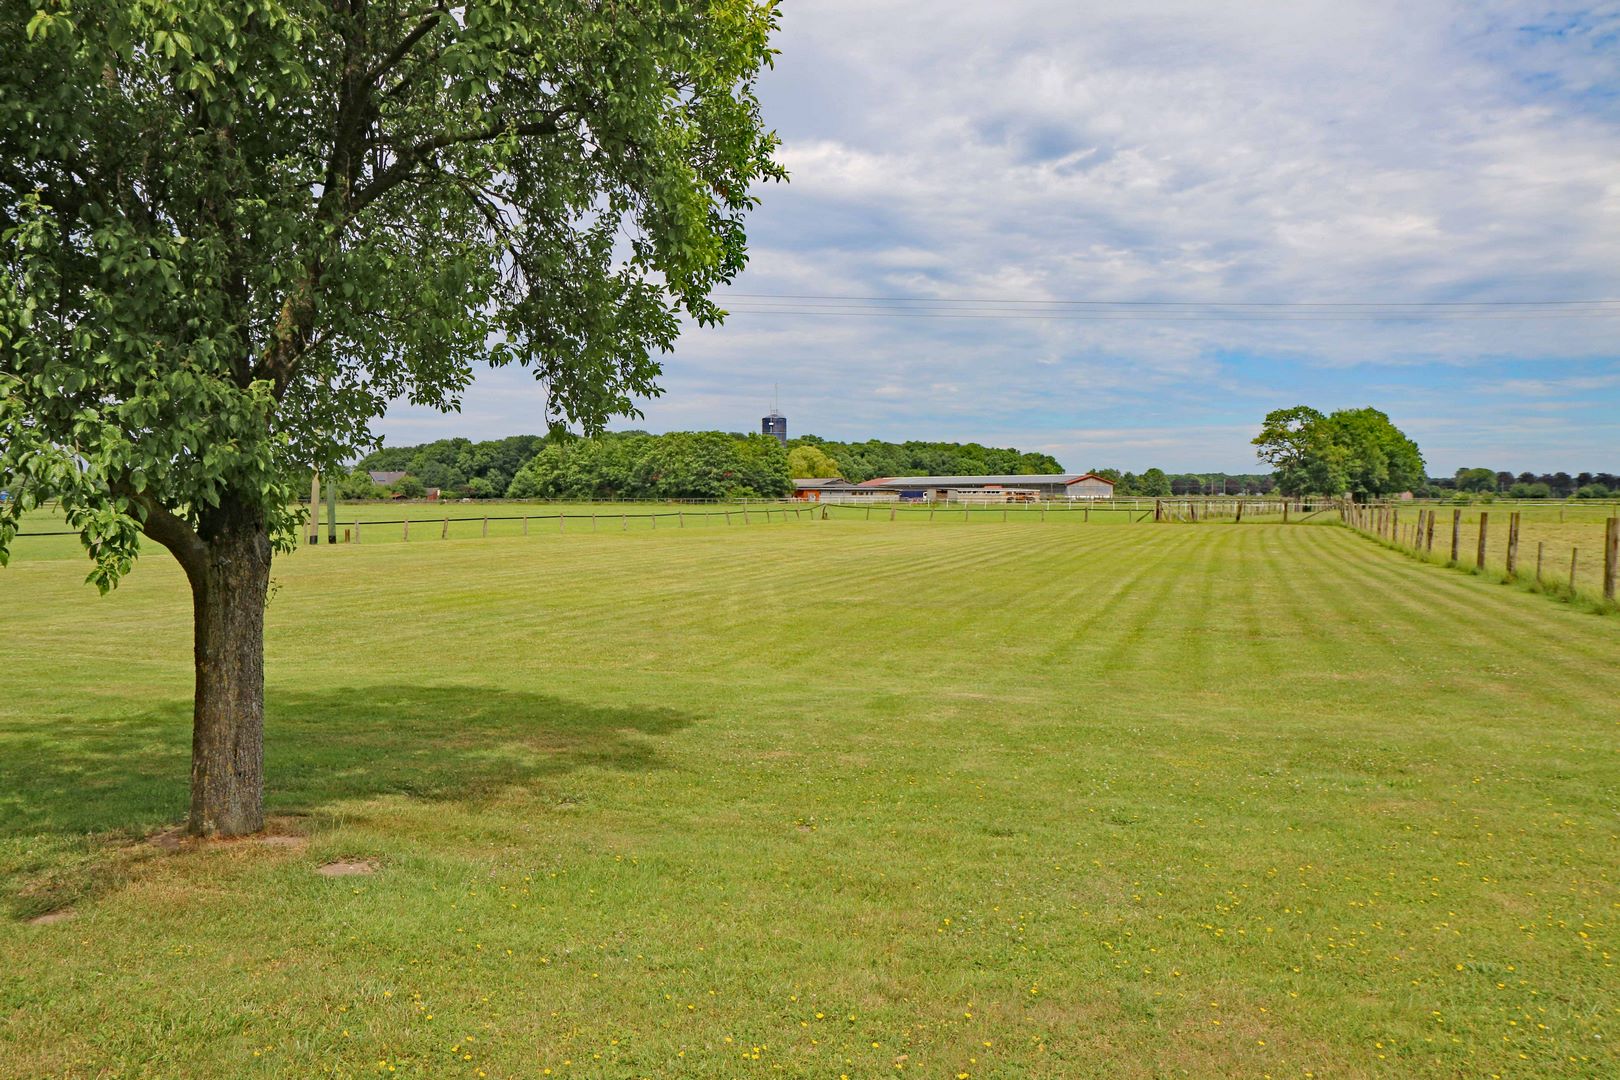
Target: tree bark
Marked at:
230, 580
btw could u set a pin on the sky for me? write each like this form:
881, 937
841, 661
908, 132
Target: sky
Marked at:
1120, 233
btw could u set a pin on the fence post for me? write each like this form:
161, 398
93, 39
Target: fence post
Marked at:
1611, 556
346, 533
680, 517
562, 520
486, 527
407, 526
1484, 521
444, 533
1513, 544
593, 521
1540, 550
1285, 512
745, 515
357, 532
525, 524
1456, 532
1428, 542
892, 511
1574, 554
624, 522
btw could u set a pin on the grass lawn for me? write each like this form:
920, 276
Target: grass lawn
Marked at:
820, 800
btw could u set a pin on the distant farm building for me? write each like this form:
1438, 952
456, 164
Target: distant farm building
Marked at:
959, 488
835, 488
386, 479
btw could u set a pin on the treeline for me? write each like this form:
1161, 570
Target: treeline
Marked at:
635, 465
1156, 483
861, 461
457, 467
1527, 485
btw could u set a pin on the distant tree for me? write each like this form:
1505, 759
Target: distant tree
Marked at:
230, 233
1476, 480
811, 463
1154, 483
1536, 490
1592, 491
1352, 450
409, 486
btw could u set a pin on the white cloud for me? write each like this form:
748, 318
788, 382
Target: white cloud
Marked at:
1165, 150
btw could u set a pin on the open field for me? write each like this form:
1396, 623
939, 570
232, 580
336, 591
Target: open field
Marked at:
825, 799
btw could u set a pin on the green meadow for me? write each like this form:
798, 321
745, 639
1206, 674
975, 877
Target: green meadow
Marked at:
822, 798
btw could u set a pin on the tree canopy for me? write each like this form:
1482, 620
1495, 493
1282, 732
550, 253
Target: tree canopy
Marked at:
231, 232
679, 465
1358, 451
860, 461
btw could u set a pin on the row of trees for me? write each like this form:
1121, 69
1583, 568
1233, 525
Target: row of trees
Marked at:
861, 461
679, 465
459, 467
1527, 485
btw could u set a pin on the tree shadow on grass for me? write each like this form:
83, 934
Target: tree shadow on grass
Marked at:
82, 783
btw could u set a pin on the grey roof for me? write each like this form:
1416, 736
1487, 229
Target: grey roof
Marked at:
1048, 480
819, 483
385, 478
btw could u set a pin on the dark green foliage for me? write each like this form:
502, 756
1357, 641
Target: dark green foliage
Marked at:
460, 467
1352, 450
230, 233
679, 465
873, 458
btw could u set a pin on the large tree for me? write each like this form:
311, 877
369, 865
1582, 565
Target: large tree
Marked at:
233, 231
1358, 451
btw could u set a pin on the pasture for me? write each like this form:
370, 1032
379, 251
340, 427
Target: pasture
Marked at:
824, 799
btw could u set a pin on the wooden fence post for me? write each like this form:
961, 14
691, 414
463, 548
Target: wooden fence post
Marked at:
1428, 542
1574, 555
680, 517
525, 524
1540, 550
1611, 556
315, 509
357, 532
1456, 532
1484, 521
1513, 544
444, 533
407, 526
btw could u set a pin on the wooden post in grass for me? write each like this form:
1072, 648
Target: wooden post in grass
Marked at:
1611, 556
357, 532
1428, 542
745, 515
1285, 511
892, 511
1513, 544
1484, 521
407, 526
1394, 525
680, 517
314, 532
525, 524
624, 521
346, 532
1540, 551
728, 517
562, 520
1456, 532
444, 533
1574, 555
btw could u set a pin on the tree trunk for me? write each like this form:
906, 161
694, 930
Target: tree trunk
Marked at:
230, 580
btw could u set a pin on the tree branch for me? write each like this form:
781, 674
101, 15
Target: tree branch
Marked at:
408, 42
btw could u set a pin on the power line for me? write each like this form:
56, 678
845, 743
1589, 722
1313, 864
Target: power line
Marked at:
1176, 303
1188, 315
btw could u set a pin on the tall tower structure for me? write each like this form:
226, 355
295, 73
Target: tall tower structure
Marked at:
774, 424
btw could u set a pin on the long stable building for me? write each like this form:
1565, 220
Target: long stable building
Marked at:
960, 488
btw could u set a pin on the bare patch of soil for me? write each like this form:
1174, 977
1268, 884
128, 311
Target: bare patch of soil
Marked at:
59, 915
347, 868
